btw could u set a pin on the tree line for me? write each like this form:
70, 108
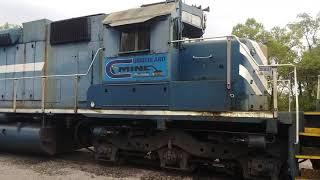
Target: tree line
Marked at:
6, 26
297, 43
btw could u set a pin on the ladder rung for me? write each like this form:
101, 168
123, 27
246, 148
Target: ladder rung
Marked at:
312, 113
312, 130
310, 134
308, 157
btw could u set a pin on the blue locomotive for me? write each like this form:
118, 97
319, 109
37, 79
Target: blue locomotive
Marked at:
143, 83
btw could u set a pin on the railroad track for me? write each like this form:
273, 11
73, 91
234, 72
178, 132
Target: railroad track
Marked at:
81, 165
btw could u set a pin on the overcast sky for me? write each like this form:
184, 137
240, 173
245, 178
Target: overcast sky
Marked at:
223, 16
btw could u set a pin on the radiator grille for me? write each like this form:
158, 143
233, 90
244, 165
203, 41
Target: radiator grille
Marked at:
72, 30
5, 39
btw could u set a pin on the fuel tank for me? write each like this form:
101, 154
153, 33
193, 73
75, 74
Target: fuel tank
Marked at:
31, 138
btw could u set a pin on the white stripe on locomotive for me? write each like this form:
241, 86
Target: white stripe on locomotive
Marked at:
16, 68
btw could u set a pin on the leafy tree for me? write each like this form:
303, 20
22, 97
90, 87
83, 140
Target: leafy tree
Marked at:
280, 41
309, 69
308, 28
281, 45
251, 29
297, 43
8, 26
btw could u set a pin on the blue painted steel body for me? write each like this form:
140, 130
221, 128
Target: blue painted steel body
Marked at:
176, 76
33, 55
200, 84
21, 139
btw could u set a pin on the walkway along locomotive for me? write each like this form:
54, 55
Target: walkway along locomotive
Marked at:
143, 83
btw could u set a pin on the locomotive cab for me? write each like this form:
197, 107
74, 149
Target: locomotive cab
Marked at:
140, 64
150, 62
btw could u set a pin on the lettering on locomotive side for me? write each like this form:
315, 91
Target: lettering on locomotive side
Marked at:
148, 67
133, 69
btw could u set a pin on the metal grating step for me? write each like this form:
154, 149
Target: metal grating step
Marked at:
312, 113
312, 130
309, 134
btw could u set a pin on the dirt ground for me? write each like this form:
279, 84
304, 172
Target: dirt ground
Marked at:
80, 166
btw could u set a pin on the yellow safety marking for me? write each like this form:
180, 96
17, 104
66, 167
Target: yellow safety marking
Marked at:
312, 113
312, 130
310, 134
307, 157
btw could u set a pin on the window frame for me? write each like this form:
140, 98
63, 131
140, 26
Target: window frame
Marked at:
137, 30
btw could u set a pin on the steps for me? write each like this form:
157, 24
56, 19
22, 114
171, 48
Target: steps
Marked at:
311, 132
310, 146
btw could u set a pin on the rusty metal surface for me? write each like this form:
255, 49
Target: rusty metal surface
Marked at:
139, 15
259, 115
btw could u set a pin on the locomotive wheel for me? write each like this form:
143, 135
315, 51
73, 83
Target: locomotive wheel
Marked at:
106, 152
175, 159
258, 168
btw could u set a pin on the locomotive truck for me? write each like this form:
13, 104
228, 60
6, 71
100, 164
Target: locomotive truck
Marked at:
144, 83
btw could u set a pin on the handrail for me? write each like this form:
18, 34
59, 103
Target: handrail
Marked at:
43, 84
59, 75
289, 88
218, 37
296, 96
275, 80
318, 91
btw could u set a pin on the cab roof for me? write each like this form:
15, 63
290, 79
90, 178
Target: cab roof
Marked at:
139, 15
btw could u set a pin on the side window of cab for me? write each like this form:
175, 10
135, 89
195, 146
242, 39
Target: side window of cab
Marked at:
135, 39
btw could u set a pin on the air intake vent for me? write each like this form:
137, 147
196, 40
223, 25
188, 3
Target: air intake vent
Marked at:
5, 39
72, 30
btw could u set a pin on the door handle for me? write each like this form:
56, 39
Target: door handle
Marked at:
202, 57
